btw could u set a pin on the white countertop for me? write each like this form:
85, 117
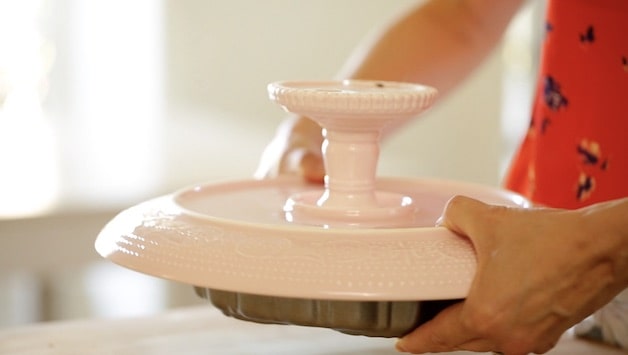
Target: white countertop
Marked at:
204, 330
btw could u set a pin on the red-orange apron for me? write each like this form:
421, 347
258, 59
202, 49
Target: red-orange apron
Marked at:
575, 152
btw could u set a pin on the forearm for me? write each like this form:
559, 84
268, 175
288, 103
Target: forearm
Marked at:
438, 43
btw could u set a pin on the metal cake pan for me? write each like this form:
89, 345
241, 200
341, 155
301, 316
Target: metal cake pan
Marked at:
369, 318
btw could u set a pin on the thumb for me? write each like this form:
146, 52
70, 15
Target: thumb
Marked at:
468, 217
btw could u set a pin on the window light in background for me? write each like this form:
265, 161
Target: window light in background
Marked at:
29, 177
116, 79
94, 139
518, 78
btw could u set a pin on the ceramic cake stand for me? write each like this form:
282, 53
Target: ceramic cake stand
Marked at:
360, 254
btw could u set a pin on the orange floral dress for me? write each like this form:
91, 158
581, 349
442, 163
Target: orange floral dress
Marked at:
575, 152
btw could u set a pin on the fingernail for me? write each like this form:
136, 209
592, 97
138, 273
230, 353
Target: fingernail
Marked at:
399, 345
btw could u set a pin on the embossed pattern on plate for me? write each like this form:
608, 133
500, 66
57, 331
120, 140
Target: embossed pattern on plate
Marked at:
165, 238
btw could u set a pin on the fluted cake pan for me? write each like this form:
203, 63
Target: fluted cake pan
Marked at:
369, 318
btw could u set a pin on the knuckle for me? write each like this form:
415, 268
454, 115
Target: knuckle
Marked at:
484, 320
455, 202
489, 322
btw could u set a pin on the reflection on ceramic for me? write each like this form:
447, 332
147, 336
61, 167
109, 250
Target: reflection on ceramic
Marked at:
358, 237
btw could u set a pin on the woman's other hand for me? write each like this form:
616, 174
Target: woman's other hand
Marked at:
295, 150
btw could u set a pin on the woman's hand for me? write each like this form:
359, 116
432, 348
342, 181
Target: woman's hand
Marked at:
296, 150
539, 272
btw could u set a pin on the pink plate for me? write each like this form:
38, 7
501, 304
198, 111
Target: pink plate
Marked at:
234, 237
356, 238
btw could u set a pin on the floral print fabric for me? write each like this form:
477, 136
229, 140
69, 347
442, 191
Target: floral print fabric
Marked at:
575, 152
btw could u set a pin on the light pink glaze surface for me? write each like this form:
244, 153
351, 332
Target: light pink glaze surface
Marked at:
234, 237
355, 238
353, 114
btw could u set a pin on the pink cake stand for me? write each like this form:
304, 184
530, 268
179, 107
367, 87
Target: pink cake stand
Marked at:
358, 238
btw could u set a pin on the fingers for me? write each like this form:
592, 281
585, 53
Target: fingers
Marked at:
450, 330
526, 290
304, 163
276, 161
295, 150
445, 332
311, 167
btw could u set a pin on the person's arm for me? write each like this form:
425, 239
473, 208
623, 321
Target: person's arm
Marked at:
540, 271
436, 43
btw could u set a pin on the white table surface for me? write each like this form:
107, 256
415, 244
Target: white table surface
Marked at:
204, 330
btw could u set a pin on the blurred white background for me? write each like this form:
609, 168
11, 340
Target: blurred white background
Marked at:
105, 103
